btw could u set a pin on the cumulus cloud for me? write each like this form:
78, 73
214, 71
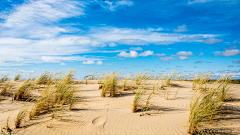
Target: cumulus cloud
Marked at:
184, 53
134, 54
88, 62
212, 41
136, 48
146, 53
181, 29
166, 58
183, 57
112, 44
230, 66
132, 42
99, 63
228, 53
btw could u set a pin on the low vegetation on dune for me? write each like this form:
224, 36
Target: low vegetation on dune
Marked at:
207, 100
4, 78
56, 96
6, 89
59, 93
24, 91
20, 117
110, 84
18, 76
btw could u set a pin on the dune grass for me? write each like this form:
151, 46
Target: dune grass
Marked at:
7, 88
56, 96
24, 91
137, 98
21, 115
18, 76
141, 78
110, 84
4, 78
205, 104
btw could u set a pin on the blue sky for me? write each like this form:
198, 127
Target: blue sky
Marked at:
122, 35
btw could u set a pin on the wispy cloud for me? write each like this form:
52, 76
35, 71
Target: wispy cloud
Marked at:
227, 53
181, 29
166, 58
134, 54
114, 5
212, 41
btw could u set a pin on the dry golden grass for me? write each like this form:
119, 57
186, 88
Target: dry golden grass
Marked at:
206, 103
7, 88
6, 129
24, 91
110, 84
22, 113
4, 78
55, 97
17, 77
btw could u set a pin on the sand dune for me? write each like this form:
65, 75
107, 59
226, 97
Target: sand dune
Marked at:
97, 115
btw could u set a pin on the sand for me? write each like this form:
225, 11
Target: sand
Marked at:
113, 116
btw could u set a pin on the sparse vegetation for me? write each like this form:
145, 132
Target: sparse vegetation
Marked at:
4, 78
7, 88
24, 91
17, 77
110, 84
22, 113
205, 104
55, 97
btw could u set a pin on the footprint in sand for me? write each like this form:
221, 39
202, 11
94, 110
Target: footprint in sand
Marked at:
99, 121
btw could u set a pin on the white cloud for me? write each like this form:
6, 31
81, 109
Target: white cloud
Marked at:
183, 57
228, 53
26, 71
212, 41
166, 58
132, 42
63, 64
112, 44
134, 54
99, 63
53, 59
184, 53
181, 29
88, 62
136, 48
146, 53
92, 62
158, 29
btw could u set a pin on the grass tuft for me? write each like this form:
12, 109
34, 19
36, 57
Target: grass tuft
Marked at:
22, 113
